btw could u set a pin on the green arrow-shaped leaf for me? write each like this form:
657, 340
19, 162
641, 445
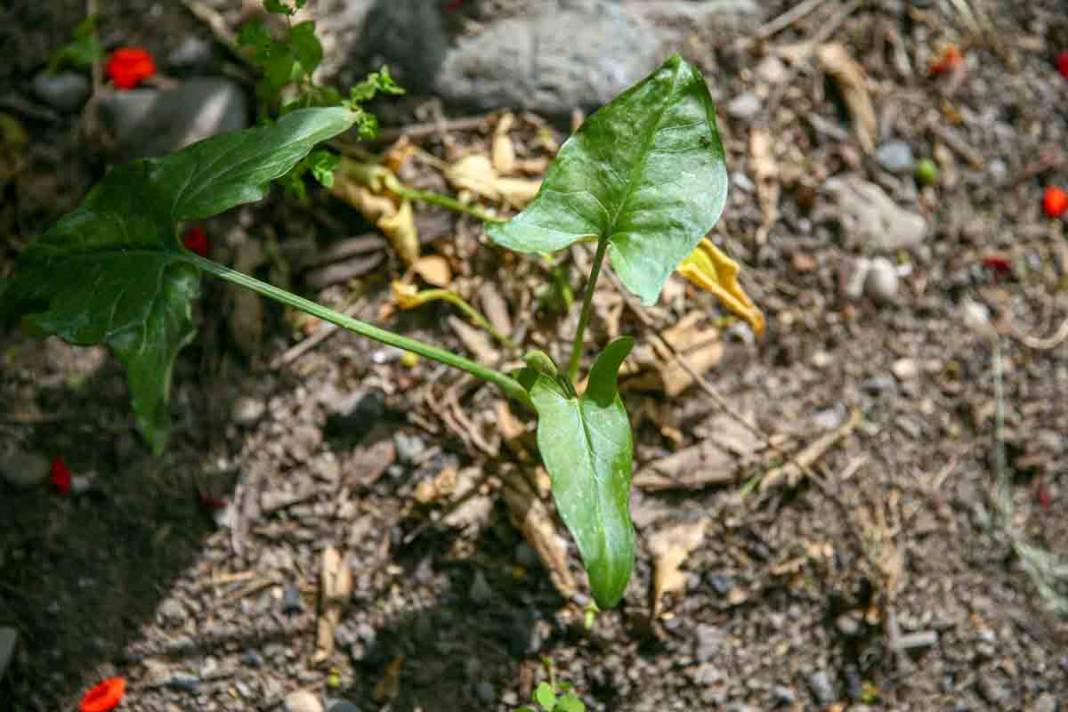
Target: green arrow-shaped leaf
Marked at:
645, 172
586, 445
112, 271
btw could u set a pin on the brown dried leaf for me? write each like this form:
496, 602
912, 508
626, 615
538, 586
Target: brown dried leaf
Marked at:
434, 269
717, 460
495, 308
670, 547
852, 82
474, 173
535, 522
399, 228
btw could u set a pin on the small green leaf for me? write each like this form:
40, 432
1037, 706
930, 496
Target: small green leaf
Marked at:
545, 696
587, 448
112, 271
646, 172
570, 703
306, 47
278, 7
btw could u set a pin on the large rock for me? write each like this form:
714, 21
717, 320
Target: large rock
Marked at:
872, 222
151, 122
552, 61
66, 91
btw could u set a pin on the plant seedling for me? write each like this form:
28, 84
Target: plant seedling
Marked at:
644, 179
552, 696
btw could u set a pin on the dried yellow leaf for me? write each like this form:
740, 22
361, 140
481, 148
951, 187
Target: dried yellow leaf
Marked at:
400, 229
434, 269
474, 173
713, 271
407, 296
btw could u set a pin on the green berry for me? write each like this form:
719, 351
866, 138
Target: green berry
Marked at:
926, 171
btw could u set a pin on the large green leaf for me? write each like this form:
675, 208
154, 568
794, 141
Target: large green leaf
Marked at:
646, 172
585, 442
112, 270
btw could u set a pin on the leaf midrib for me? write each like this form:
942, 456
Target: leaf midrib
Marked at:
639, 165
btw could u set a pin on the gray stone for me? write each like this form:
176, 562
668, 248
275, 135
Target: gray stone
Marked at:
410, 448
292, 603
66, 91
8, 638
192, 53
172, 612
847, 624
486, 692
783, 695
819, 684
708, 643
247, 410
771, 69
896, 157
552, 61
340, 706
872, 221
881, 282
302, 701
1045, 702
184, 682
23, 469
744, 106
480, 592
151, 122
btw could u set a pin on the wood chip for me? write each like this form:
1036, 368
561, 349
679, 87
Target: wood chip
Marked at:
765, 172
503, 151
670, 547
335, 587
475, 341
342, 272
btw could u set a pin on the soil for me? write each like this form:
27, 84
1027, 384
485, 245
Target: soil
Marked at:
893, 575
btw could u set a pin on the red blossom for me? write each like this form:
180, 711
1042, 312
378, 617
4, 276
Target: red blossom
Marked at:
209, 502
105, 697
1042, 495
196, 240
1054, 202
949, 60
1062, 63
60, 477
129, 66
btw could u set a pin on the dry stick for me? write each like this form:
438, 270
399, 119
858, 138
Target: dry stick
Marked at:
1043, 344
429, 128
819, 38
786, 19
321, 334
220, 30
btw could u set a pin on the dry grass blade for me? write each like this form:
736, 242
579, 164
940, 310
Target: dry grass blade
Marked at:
791, 472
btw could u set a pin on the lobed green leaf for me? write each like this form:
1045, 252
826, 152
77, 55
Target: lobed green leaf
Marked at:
585, 443
112, 270
645, 172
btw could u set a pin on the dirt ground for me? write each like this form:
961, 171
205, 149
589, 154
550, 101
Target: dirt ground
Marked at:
894, 574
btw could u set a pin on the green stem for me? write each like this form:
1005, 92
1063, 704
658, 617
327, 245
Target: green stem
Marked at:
506, 383
584, 315
444, 201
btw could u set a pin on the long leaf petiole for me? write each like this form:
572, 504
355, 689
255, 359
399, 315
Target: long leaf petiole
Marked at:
584, 315
506, 383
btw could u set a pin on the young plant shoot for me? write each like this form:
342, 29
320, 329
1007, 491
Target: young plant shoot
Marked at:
644, 178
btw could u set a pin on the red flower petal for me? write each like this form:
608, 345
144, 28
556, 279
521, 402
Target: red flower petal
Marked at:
453, 5
999, 264
1062, 63
951, 59
129, 66
196, 240
104, 697
1054, 202
209, 502
60, 477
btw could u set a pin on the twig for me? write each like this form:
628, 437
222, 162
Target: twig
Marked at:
430, 128
786, 19
324, 332
1043, 344
218, 26
958, 145
808, 456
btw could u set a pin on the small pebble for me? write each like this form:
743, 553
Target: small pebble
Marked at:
895, 157
847, 624
819, 683
192, 53
480, 592
184, 682
24, 469
485, 692
744, 106
341, 706
66, 91
292, 603
247, 410
905, 369
302, 701
721, 583
881, 283
410, 448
